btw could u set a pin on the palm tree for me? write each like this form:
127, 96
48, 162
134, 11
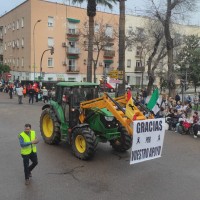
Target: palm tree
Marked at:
91, 13
121, 88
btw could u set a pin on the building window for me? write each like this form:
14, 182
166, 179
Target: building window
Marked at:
50, 21
72, 64
84, 79
17, 62
50, 42
13, 61
22, 22
22, 62
50, 62
128, 79
72, 28
129, 63
138, 51
5, 61
17, 25
22, 42
138, 80
109, 31
17, 43
13, 26
13, 44
138, 63
96, 28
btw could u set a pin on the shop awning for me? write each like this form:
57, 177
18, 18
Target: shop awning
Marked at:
108, 61
73, 20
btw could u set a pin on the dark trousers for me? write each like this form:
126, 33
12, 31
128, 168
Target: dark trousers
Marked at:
45, 98
31, 98
20, 99
195, 129
27, 168
36, 97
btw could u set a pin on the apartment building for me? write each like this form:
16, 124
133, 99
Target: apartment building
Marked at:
30, 30
136, 56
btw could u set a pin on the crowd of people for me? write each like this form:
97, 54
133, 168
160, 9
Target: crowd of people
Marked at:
32, 91
179, 115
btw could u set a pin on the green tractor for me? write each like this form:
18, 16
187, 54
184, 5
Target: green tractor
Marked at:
77, 115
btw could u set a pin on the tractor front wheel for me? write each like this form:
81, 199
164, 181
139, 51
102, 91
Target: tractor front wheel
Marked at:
123, 143
84, 143
50, 127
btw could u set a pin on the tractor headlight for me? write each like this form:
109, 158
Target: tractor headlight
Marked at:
109, 119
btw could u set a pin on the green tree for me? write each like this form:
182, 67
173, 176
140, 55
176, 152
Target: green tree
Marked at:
165, 11
91, 13
4, 68
189, 56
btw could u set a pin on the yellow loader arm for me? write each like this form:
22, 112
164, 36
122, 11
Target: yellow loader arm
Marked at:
114, 107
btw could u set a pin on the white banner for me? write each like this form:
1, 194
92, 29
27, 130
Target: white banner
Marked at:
148, 138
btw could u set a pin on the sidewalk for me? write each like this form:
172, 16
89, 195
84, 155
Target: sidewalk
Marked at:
14, 100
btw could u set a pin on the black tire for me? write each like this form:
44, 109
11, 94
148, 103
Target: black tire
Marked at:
123, 143
50, 127
84, 143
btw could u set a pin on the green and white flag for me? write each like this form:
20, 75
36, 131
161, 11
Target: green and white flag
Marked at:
152, 104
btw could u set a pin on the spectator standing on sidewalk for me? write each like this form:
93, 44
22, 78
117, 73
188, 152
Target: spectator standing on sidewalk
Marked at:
31, 95
177, 97
195, 123
45, 94
164, 98
24, 91
11, 91
196, 102
19, 91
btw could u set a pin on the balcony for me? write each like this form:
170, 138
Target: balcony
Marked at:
109, 53
139, 69
73, 32
72, 50
72, 70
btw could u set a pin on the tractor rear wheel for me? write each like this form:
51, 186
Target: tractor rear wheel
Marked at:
50, 127
123, 143
84, 143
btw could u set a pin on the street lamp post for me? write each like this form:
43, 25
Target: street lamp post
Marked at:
186, 77
39, 20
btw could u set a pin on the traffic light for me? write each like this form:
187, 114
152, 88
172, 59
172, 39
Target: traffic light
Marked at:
52, 50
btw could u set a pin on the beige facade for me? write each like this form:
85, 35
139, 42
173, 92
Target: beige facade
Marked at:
136, 63
35, 26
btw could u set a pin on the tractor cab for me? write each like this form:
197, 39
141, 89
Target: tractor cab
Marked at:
70, 94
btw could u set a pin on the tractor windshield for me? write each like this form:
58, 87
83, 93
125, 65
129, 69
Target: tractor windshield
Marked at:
81, 94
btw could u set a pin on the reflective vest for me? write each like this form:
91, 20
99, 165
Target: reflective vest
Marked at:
30, 148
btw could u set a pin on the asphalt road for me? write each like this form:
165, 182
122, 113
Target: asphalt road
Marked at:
60, 175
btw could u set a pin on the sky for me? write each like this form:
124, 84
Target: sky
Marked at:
135, 7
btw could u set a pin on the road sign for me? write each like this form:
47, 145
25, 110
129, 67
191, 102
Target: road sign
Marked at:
116, 74
113, 74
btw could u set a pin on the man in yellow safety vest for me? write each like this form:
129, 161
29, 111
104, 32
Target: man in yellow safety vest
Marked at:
28, 141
